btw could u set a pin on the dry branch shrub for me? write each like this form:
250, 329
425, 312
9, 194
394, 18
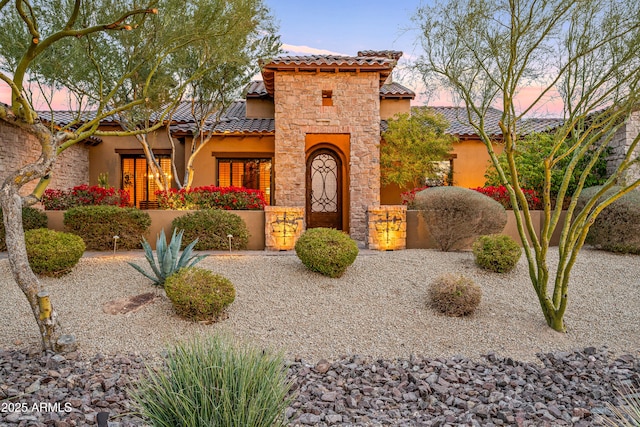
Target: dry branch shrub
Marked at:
454, 296
456, 216
617, 228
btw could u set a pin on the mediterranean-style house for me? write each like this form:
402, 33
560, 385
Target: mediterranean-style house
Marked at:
308, 135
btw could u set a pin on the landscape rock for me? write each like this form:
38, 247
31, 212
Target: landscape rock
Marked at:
564, 389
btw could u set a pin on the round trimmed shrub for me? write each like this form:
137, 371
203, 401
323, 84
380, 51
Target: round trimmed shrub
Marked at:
211, 227
198, 294
52, 253
455, 296
32, 218
617, 228
326, 251
98, 224
496, 252
456, 216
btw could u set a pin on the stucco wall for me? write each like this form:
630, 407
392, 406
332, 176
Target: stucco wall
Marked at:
391, 107
355, 111
19, 148
471, 162
620, 144
105, 158
257, 108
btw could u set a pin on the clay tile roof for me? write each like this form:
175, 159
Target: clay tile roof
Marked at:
330, 63
540, 125
256, 89
234, 120
397, 91
312, 61
393, 54
459, 122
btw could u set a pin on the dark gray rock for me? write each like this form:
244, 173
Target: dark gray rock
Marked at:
568, 388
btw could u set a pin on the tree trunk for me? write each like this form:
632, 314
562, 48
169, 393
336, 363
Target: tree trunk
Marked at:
28, 282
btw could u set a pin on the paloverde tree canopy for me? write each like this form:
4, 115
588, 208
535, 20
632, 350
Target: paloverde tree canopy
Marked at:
113, 58
583, 52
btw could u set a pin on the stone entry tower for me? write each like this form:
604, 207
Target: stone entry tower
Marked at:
327, 135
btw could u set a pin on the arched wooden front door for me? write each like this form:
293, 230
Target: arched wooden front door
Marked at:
324, 189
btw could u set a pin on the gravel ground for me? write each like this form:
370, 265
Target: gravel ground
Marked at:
377, 309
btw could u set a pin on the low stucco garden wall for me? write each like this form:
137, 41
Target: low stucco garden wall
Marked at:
162, 219
417, 231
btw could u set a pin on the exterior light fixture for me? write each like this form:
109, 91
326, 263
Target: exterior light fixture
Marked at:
387, 227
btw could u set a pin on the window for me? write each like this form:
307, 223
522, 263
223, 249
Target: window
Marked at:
247, 173
442, 173
327, 98
137, 179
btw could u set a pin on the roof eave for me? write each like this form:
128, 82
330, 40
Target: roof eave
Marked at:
269, 70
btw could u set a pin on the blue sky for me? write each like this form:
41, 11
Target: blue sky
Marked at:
346, 26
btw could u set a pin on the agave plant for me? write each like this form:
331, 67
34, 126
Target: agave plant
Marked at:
169, 260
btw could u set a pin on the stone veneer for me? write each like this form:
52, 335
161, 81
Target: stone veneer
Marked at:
620, 144
355, 111
387, 227
19, 148
282, 227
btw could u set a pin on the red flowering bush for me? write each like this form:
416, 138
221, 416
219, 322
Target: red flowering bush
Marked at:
83, 195
210, 197
408, 197
501, 195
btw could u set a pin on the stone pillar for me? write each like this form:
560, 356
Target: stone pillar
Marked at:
282, 227
620, 145
387, 227
355, 112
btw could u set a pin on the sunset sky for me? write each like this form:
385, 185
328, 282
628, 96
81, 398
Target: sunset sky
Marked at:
345, 27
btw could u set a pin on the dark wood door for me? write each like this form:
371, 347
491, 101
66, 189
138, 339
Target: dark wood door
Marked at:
324, 190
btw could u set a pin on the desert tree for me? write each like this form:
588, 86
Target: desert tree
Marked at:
218, 51
413, 144
207, 49
249, 40
582, 53
40, 42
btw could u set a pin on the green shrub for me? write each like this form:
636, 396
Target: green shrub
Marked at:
496, 252
456, 216
617, 228
198, 294
31, 219
326, 251
214, 382
169, 260
529, 158
454, 296
52, 253
98, 224
211, 227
